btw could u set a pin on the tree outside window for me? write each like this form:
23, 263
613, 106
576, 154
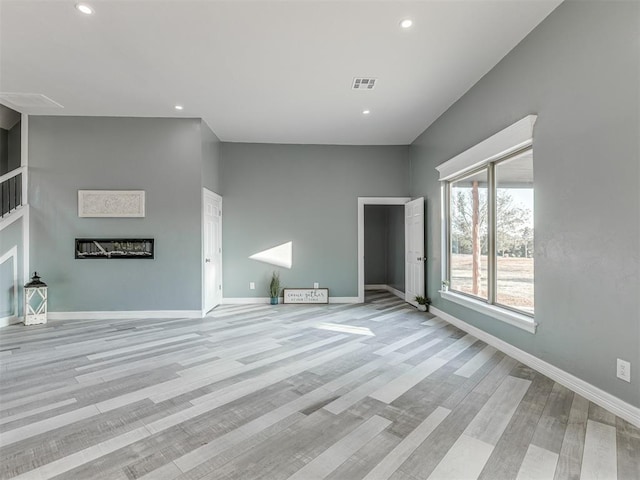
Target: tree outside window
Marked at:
506, 277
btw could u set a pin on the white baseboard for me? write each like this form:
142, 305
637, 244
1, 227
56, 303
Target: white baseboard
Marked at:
397, 293
6, 321
123, 315
610, 402
388, 288
264, 300
246, 300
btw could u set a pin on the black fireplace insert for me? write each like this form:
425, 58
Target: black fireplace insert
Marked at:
87, 248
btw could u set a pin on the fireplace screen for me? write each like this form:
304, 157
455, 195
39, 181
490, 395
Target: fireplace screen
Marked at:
114, 248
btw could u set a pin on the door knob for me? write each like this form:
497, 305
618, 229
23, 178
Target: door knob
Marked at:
207, 260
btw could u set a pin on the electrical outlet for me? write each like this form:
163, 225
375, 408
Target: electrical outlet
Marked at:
316, 285
252, 285
624, 370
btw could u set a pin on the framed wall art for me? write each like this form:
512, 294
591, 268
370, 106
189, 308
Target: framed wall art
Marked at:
111, 203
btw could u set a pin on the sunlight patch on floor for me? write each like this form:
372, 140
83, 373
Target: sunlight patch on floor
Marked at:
336, 327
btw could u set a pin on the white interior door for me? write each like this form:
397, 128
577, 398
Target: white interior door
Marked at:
414, 249
212, 251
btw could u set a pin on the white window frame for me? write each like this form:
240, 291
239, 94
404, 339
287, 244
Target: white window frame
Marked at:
510, 140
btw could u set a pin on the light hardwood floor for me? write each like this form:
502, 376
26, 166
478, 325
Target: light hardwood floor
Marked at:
374, 391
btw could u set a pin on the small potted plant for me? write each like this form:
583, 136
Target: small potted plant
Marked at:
445, 285
423, 303
274, 288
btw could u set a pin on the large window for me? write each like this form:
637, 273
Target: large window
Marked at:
490, 232
469, 235
514, 232
487, 226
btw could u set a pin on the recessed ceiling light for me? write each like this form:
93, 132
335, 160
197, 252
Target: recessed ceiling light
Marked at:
366, 112
179, 107
406, 23
84, 8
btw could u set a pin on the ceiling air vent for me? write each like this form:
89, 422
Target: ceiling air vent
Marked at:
360, 83
28, 100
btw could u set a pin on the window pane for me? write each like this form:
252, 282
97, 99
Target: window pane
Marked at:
469, 247
514, 232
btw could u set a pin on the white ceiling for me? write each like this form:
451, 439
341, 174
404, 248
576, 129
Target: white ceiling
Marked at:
261, 71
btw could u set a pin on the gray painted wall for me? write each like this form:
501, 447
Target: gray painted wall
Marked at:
162, 157
7, 304
9, 237
395, 245
384, 245
579, 71
210, 159
10, 148
376, 225
14, 147
306, 194
4, 151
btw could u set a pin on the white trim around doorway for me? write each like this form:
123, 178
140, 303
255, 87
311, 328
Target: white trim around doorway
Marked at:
362, 201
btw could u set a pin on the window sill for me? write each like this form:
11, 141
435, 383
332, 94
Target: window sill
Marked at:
512, 318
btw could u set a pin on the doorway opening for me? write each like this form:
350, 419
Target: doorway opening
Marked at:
414, 257
362, 201
384, 249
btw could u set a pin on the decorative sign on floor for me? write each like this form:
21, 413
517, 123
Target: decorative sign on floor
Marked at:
306, 295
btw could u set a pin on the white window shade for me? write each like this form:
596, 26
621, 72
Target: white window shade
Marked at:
511, 139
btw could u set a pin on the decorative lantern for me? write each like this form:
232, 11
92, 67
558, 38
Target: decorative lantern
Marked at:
35, 301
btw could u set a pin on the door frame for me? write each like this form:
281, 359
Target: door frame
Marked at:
362, 201
206, 191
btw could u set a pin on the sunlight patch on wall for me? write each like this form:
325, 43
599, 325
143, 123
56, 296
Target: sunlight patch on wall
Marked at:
280, 256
